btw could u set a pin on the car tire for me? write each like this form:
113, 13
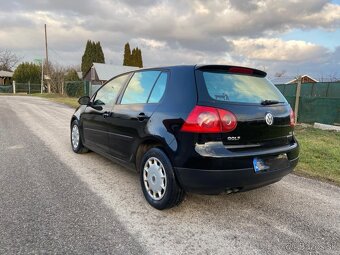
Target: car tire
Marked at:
157, 178
76, 141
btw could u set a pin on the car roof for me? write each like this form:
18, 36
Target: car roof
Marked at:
196, 67
206, 66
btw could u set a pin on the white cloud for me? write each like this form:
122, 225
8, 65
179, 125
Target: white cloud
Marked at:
150, 43
328, 17
172, 32
275, 49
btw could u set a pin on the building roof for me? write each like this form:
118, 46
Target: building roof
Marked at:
6, 73
106, 72
289, 79
302, 76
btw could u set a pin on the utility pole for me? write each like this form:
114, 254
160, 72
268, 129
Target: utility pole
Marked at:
47, 63
297, 97
42, 76
41, 63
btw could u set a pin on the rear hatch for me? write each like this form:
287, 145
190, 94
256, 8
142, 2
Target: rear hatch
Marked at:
264, 118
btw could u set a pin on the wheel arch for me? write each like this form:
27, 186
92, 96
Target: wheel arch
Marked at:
147, 144
73, 119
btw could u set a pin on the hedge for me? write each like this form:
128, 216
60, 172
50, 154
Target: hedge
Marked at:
74, 88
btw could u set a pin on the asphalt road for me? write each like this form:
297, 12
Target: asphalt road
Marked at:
55, 201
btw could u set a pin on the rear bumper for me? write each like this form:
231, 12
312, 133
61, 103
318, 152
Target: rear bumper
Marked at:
217, 181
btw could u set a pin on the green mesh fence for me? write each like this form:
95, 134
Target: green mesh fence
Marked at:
319, 102
27, 88
6, 89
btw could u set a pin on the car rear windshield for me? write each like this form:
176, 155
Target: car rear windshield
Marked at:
240, 88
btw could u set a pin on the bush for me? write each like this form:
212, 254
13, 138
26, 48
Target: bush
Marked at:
74, 88
26, 72
72, 75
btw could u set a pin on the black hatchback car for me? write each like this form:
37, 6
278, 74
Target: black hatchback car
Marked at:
205, 129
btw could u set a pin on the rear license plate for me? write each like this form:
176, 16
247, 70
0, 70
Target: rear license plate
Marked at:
270, 163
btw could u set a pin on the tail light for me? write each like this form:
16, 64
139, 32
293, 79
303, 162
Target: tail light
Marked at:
204, 119
241, 70
292, 118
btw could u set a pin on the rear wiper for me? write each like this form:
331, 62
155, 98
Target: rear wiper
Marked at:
269, 102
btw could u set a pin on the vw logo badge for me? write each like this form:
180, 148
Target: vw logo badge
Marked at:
269, 119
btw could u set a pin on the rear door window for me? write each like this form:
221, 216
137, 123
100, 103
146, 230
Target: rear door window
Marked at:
240, 88
139, 87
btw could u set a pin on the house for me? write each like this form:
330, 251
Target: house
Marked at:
304, 79
5, 77
99, 73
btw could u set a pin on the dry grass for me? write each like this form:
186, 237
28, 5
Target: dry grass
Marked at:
70, 101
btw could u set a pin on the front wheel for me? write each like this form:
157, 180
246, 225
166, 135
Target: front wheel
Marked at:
158, 181
76, 143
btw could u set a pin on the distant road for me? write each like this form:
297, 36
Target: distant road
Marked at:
55, 201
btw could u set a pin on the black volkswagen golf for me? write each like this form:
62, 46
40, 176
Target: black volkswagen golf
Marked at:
206, 129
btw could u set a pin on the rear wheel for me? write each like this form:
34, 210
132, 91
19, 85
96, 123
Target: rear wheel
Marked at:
158, 181
76, 143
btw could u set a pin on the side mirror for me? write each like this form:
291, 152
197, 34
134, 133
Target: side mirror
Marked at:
97, 107
85, 100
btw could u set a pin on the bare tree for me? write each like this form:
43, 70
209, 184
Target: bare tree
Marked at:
8, 60
280, 74
333, 77
74, 67
262, 68
57, 74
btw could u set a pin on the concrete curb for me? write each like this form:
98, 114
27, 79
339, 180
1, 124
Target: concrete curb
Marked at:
326, 127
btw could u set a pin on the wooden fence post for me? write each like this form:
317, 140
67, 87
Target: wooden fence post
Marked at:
327, 89
297, 98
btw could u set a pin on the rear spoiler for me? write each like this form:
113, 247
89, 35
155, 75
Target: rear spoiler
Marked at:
232, 69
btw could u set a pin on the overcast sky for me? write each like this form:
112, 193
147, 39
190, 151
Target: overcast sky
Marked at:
299, 36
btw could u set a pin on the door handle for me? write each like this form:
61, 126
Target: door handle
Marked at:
106, 114
142, 116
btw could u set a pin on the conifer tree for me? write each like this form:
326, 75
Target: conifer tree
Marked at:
93, 53
86, 59
139, 58
99, 53
127, 55
132, 58
133, 61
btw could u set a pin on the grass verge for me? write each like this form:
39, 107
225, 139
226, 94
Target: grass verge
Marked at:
319, 154
70, 101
